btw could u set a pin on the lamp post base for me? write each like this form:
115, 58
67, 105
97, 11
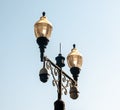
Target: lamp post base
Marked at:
59, 105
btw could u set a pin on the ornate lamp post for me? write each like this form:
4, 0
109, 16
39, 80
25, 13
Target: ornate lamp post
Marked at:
61, 80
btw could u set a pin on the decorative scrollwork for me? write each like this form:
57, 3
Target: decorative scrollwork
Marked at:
65, 85
48, 65
65, 80
65, 91
55, 71
53, 82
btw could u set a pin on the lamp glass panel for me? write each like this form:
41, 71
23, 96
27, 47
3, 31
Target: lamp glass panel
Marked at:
42, 30
74, 59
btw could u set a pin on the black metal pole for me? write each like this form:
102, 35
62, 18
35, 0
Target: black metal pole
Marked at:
59, 85
59, 104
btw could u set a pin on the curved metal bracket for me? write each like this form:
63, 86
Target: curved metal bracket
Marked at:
66, 80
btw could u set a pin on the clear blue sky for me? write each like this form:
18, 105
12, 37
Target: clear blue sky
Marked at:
93, 25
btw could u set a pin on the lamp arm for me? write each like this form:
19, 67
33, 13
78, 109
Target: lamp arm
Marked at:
73, 81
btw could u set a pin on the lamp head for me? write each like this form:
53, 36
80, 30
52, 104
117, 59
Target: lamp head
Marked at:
43, 74
74, 60
42, 30
43, 27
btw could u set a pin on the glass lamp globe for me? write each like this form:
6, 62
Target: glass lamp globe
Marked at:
74, 58
43, 27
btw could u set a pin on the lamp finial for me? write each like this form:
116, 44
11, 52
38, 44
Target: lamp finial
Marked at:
74, 45
43, 13
60, 48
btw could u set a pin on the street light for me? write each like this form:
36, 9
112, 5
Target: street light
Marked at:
42, 29
74, 60
61, 80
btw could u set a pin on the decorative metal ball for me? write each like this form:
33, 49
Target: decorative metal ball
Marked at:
74, 92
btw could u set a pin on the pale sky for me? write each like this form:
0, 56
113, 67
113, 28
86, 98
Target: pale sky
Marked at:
93, 25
